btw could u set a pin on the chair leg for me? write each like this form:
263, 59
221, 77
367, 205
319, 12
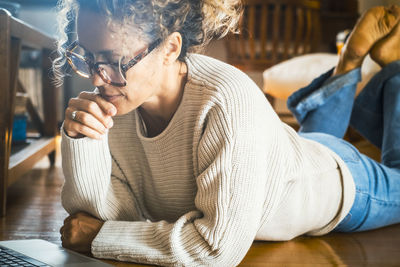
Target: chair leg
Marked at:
52, 158
270, 99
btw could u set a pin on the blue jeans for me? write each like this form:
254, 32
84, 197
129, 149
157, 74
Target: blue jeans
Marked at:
327, 107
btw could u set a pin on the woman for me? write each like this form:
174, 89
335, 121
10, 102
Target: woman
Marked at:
178, 159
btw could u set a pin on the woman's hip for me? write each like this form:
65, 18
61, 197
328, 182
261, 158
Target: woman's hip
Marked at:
377, 200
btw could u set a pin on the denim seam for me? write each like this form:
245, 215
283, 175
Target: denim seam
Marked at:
319, 97
355, 158
385, 202
365, 109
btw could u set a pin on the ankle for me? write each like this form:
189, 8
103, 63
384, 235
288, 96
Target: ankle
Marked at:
348, 61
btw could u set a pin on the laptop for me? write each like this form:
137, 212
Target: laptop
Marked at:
38, 252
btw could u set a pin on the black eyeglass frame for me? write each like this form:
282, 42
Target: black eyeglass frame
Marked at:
96, 65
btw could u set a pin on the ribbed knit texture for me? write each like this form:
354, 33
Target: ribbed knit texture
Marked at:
224, 172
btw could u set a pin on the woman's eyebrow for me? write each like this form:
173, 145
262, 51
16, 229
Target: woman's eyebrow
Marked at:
110, 54
106, 52
106, 55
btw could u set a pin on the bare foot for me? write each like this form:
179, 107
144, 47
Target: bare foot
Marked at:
387, 50
374, 25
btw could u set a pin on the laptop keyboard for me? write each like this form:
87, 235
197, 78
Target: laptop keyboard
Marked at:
9, 257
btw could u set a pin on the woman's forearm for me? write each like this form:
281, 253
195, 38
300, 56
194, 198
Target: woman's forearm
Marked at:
93, 183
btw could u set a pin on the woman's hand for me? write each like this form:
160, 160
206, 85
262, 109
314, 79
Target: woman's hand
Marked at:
79, 230
88, 115
375, 24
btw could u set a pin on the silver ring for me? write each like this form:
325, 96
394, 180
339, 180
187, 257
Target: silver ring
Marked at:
73, 115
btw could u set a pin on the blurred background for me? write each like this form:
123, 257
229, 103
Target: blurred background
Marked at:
335, 17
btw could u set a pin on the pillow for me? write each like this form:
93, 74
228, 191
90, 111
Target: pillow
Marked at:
283, 79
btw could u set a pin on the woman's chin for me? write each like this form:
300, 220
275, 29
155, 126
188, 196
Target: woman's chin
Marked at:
120, 104
121, 110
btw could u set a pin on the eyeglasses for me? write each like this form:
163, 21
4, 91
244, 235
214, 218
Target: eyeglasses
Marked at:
82, 62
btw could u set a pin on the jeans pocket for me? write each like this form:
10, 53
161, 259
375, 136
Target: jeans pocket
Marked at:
347, 152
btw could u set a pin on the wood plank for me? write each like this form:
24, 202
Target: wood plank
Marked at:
14, 64
252, 31
288, 31
31, 37
263, 29
22, 161
34, 208
241, 36
308, 34
313, 4
316, 22
276, 32
15, 34
299, 30
50, 95
5, 50
231, 44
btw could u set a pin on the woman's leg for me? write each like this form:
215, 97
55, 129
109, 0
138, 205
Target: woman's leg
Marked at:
377, 200
325, 105
375, 114
380, 101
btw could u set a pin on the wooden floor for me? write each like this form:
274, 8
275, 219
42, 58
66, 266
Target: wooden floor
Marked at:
34, 211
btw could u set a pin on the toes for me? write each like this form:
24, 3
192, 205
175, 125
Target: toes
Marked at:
375, 25
385, 50
391, 17
394, 9
396, 30
381, 20
394, 33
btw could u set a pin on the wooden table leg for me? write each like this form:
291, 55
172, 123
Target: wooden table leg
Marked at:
9, 62
14, 64
12, 31
5, 40
50, 95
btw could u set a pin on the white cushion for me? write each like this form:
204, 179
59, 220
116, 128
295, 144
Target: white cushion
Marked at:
283, 79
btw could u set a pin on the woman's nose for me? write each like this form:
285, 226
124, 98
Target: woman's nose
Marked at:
97, 80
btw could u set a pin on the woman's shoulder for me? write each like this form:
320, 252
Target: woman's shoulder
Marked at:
225, 90
219, 78
215, 72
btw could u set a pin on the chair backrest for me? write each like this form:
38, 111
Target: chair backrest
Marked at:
272, 31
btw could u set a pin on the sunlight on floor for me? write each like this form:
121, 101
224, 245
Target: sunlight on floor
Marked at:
45, 163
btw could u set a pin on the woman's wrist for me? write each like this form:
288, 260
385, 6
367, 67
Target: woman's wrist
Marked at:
72, 136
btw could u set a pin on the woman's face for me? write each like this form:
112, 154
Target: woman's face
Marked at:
143, 79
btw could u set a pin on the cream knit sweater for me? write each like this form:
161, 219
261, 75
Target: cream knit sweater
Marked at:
224, 172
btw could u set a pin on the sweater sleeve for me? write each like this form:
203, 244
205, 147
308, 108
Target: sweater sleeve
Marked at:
94, 182
229, 205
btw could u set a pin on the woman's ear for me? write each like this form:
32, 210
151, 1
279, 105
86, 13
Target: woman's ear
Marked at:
172, 48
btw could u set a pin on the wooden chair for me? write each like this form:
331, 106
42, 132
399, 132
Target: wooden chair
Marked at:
16, 35
272, 31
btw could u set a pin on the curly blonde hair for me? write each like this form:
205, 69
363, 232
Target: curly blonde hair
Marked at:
197, 21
